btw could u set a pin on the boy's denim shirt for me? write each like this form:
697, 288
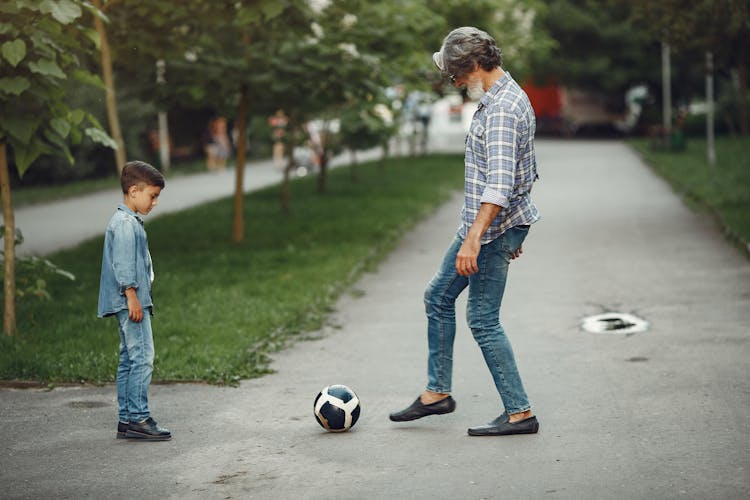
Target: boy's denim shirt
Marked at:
126, 263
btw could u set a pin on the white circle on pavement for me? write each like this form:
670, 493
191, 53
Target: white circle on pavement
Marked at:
614, 323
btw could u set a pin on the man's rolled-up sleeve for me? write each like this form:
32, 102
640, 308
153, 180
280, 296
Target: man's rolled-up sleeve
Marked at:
501, 144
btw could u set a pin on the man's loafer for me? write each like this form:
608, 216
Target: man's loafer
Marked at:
122, 429
419, 410
149, 430
502, 427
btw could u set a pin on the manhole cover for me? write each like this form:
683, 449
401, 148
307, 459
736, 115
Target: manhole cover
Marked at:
614, 322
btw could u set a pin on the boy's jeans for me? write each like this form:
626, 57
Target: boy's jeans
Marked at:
483, 315
136, 366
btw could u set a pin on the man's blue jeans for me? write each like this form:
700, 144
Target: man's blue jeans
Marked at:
483, 315
136, 366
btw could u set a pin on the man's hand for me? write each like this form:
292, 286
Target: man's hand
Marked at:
518, 253
135, 311
466, 259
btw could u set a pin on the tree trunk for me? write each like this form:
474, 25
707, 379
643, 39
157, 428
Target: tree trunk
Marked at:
322, 176
384, 157
710, 146
666, 92
285, 183
109, 84
164, 153
238, 224
744, 104
9, 285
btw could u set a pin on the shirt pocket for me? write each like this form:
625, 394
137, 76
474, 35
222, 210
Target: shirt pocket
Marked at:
476, 132
522, 189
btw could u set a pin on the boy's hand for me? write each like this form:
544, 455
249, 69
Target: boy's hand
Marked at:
135, 311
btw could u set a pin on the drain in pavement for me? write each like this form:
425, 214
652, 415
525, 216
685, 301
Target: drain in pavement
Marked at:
637, 359
614, 322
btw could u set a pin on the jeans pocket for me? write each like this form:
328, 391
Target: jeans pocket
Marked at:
513, 238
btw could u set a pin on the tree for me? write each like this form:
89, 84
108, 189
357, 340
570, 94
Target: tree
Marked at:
721, 27
717, 30
517, 26
239, 56
356, 49
216, 54
365, 125
138, 37
39, 43
594, 49
109, 83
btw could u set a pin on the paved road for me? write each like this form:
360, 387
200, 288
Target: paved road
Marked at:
659, 414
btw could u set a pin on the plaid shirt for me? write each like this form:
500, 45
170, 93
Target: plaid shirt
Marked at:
500, 161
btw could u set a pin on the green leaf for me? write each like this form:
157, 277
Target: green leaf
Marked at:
76, 136
64, 11
25, 155
88, 78
6, 28
15, 85
92, 120
14, 51
60, 126
101, 137
273, 9
20, 127
77, 116
94, 37
61, 148
47, 67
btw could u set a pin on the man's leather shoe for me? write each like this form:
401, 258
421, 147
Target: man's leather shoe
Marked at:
122, 429
419, 410
148, 429
502, 427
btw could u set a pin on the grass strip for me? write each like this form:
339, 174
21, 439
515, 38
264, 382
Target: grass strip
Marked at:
223, 307
723, 189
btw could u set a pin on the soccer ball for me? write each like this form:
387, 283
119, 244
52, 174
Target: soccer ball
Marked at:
336, 408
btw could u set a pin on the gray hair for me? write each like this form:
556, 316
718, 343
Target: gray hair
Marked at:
466, 47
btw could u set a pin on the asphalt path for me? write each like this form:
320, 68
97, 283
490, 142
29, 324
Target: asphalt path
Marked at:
657, 414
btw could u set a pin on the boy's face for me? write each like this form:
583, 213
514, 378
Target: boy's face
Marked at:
141, 199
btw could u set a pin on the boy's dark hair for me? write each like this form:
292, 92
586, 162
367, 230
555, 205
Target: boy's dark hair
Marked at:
139, 172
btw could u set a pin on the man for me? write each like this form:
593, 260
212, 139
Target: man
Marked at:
500, 169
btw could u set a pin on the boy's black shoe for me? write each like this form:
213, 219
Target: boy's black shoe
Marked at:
122, 429
148, 429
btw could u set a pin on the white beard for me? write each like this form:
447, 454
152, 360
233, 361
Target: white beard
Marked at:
474, 89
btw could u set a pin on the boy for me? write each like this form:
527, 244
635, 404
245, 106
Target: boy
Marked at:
125, 292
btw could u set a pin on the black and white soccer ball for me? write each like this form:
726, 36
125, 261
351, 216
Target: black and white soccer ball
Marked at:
336, 408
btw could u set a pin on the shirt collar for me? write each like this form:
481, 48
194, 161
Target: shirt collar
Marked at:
128, 211
492, 92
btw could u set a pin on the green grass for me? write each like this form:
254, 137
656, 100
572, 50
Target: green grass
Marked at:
724, 188
222, 307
